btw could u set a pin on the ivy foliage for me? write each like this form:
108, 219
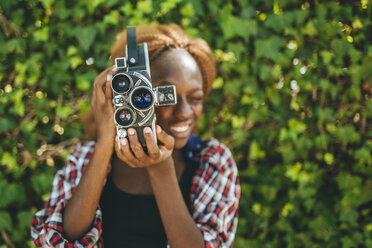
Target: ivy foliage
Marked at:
292, 100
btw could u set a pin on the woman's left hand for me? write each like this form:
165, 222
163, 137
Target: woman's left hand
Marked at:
156, 156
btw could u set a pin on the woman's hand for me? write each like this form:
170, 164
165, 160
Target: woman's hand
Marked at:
157, 156
103, 109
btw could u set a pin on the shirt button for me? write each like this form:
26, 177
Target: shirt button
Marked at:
189, 154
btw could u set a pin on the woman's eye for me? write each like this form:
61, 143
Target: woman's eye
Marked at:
196, 99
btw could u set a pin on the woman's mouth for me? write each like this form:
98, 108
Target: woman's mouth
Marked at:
180, 131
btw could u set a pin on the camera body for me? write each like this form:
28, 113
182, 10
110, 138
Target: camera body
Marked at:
134, 99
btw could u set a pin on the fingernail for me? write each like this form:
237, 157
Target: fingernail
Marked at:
147, 130
131, 131
124, 142
108, 77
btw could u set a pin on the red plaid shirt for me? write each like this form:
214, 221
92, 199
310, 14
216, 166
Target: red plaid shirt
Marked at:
215, 194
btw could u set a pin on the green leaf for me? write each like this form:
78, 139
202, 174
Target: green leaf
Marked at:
269, 48
188, 10
9, 160
83, 84
168, 5
92, 4
274, 21
218, 83
237, 27
255, 152
309, 29
296, 126
72, 50
322, 228
41, 35
5, 221
85, 36
7, 124
346, 181
347, 134
329, 158
145, 6
273, 96
112, 18
350, 216
340, 47
327, 56
64, 111
364, 156
293, 172
47, 3
75, 61
25, 218
41, 183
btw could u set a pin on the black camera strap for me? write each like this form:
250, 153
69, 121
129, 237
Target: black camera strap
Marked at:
132, 45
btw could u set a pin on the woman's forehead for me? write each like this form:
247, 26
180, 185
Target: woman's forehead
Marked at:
176, 59
176, 65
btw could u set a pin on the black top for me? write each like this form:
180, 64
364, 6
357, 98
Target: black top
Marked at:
131, 220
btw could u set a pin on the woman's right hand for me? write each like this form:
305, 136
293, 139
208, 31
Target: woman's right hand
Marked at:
80, 210
103, 109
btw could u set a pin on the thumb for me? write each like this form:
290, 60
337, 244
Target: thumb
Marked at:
164, 138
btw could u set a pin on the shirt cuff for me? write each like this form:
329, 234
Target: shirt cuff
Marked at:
50, 232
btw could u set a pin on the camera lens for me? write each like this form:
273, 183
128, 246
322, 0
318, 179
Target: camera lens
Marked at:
121, 83
142, 98
125, 116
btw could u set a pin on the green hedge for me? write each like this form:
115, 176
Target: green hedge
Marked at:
295, 83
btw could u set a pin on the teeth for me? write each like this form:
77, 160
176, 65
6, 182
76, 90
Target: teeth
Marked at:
180, 129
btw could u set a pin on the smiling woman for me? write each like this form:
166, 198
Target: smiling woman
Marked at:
183, 192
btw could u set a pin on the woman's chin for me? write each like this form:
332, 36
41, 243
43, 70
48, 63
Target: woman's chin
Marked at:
180, 137
180, 143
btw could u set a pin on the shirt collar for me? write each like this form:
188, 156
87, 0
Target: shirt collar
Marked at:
193, 147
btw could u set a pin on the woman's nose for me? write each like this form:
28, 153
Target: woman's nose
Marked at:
183, 109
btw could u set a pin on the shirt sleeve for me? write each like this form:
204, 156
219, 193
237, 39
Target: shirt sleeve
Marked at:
47, 226
215, 195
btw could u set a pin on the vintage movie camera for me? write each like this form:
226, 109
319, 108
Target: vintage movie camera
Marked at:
134, 98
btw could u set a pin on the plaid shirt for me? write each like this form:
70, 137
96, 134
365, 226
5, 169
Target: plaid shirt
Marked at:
215, 194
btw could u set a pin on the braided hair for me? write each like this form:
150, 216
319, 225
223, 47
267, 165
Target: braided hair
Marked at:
160, 38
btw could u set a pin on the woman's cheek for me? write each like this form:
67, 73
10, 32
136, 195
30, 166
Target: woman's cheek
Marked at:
163, 114
197, 110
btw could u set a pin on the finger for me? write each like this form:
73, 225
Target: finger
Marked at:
152, 147
112, 70
124, 152
165, 138
100, 79
164, 152
100, 95
100, 85
108, 89
135, 145
107, 86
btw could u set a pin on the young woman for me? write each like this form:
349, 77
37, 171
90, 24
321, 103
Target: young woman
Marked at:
183, 192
